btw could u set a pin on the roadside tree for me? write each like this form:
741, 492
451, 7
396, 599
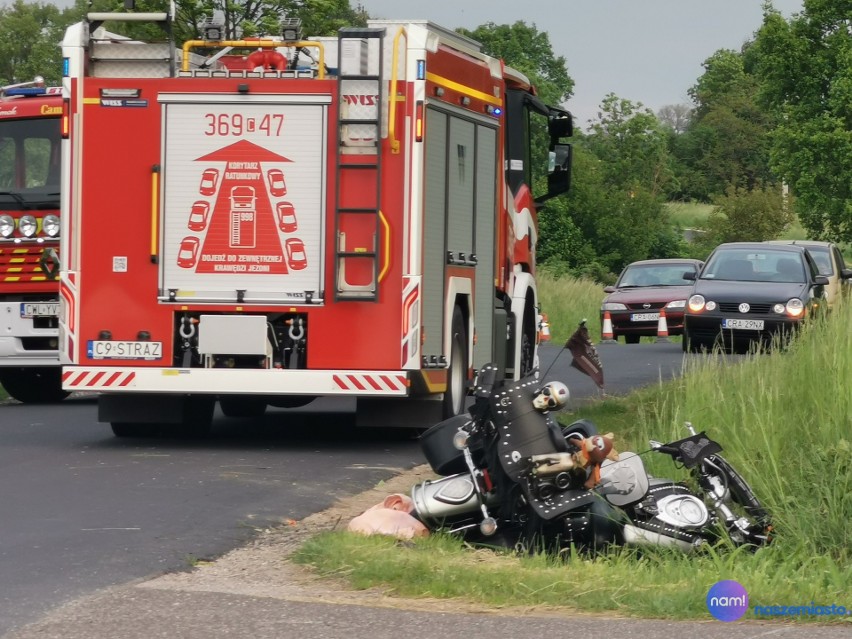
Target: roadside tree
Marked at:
748, 215
726, 142
29, 33
806, 67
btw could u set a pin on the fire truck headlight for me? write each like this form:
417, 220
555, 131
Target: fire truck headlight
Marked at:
28, 226
7, 226
50, 225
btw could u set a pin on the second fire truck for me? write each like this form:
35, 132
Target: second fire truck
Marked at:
30, 140
288, 218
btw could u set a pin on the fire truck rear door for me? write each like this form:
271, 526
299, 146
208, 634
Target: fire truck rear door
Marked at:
243, 204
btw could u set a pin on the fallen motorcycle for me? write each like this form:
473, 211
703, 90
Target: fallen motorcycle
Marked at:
511, 476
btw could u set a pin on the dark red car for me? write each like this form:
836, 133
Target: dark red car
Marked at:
642, 290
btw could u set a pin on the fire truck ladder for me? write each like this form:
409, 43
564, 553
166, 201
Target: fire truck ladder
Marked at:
116, 56
360, 96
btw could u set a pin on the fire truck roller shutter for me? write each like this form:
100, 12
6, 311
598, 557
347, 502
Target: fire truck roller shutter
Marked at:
485, 225
459, 221
434, 230
239, 173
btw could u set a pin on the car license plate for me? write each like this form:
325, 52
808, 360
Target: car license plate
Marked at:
124, 350
39, 309
746, 324
644, 317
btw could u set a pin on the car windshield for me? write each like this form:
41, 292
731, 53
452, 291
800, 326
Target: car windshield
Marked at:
755, 266
638, 275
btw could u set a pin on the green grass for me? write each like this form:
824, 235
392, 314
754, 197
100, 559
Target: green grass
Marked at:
783, 418
567, 301
689, 215
794, 232
654, 583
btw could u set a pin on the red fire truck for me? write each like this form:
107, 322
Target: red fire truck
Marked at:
408, 158
30, 142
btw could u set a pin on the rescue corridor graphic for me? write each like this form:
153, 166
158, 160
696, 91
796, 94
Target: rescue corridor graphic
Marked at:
244, 189
241, 232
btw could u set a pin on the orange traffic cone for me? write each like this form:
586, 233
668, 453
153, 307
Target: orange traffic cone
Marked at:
606, 331
543, 328
662, 327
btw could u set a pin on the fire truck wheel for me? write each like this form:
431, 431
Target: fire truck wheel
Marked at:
197, 415
454, 398
133, 429
242, 405
290, 401
34, 385
528, 342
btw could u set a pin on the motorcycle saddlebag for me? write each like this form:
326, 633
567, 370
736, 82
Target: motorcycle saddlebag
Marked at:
437, 446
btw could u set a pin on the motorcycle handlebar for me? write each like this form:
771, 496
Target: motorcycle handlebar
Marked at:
665, 448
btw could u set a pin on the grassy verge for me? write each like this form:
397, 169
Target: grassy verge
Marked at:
783, 419
567, 301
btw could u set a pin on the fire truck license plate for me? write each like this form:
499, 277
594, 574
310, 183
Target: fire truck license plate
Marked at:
125, 350
39, 309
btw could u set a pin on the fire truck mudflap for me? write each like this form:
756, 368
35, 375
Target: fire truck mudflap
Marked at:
243, 213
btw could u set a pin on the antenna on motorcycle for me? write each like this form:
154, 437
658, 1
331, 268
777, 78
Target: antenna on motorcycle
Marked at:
580, 326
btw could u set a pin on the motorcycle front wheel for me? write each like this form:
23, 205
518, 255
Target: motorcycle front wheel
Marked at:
755, 524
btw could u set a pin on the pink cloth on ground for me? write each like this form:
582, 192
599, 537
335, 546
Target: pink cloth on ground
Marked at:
391, 517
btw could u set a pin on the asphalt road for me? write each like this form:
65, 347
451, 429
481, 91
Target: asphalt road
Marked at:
82, 510
625, 367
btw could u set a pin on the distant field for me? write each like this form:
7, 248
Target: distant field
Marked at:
689, 215
693, 215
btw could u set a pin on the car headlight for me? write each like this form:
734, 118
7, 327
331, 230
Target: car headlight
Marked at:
795, 307
696, 303
779, 308
50, 225
676, 304
613, 306
28, 226
7, 226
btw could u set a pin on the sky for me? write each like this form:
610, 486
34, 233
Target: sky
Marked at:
647, 51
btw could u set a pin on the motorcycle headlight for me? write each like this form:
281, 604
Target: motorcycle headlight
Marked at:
28, 226
7, 226
795, 307
676, 304
692, 511
696, 303
613, 306
50, 225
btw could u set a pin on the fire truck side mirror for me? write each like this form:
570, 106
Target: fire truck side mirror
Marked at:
562, 127
559, 178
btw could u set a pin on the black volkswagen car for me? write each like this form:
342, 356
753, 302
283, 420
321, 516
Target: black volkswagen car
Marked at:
749, 292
